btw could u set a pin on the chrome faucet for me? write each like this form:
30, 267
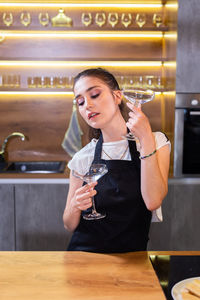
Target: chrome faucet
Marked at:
4, 145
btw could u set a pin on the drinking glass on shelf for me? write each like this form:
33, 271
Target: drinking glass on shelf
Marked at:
16, 81
113, 19
126, 19
128, 83
38, 82
100, 19
157, 20
136, 97
8, 19
95, 172
86, 19
138, 82
43, 19
30, 82
5, 80
159, 82
25, 18
140, 20
149, 82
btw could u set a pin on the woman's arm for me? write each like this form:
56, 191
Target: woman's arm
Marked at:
155, 168
78, 199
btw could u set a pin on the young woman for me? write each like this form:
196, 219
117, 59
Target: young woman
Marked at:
137, 177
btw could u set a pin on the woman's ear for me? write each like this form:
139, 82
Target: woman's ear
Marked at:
118, 96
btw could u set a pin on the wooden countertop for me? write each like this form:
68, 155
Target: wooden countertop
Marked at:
80, 276
77, 276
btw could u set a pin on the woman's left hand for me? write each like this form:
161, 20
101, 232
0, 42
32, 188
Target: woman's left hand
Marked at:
138, 123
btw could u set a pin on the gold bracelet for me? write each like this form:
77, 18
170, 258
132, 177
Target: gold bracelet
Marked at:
145, 156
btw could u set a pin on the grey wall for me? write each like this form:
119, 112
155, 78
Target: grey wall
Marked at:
188, 47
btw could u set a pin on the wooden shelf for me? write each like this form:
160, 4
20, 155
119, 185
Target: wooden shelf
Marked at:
81, 29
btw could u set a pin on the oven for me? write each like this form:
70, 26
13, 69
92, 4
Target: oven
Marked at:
187, 135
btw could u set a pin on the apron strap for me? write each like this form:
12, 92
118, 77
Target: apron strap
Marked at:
98, 150
132, 147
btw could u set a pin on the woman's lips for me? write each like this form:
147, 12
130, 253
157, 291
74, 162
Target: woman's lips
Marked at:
92, 115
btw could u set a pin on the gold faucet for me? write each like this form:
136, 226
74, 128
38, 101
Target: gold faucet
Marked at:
4, 145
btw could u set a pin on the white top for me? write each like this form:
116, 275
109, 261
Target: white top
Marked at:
82, 160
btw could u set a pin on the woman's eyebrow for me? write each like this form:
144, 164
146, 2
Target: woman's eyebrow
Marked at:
89, 89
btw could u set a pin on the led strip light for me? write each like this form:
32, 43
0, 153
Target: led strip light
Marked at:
81, 63
87, 5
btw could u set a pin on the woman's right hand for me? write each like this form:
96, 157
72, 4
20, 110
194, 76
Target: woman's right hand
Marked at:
82, 198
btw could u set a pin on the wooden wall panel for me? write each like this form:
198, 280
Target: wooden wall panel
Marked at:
71, 48
43, 120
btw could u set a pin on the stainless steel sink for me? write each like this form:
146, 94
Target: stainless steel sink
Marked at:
3, 166
36, 167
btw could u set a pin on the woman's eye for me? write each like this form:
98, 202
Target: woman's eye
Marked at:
95, 96
80, 101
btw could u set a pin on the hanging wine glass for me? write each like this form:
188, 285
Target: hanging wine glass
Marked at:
157, 20
140, 20
126, 19
7, 19
100, 19
96, 171
86, 19
136, 97
25, 18
113, 19
43, 19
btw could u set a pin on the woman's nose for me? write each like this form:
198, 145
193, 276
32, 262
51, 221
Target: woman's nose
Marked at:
89, 102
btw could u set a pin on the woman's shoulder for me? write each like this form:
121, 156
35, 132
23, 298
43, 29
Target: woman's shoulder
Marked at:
86, 149
83, 158
161, 139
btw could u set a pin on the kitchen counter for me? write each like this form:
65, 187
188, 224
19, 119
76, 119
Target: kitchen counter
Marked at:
80, 276
23, 178
77, 276
62, 178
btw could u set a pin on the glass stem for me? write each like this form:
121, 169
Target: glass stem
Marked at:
93, 206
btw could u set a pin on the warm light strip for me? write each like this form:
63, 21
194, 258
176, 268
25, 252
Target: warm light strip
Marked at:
172, 5
170, 64
83, 34
35, 93
84, 5
48, 93
81, 63
170, 35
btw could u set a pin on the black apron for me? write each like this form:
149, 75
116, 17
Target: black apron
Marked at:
126, 225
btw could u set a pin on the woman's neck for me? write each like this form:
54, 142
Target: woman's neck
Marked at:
115, 130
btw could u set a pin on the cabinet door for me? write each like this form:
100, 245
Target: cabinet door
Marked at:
180, 229
39, 210
7, 218
188, 43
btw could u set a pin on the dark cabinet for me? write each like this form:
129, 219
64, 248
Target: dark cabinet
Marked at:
39, 210
7, 218
180, 229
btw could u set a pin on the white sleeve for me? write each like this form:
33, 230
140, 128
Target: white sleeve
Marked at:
161, 140
82, 160
157, 215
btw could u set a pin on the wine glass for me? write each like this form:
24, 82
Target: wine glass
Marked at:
86, 19
95, 172
137, 96
126, 19
140, 20
113, 19
157, 20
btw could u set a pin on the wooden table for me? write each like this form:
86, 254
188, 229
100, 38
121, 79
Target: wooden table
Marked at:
77, 276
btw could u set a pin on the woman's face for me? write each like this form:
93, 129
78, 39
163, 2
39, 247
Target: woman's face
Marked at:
97, 104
